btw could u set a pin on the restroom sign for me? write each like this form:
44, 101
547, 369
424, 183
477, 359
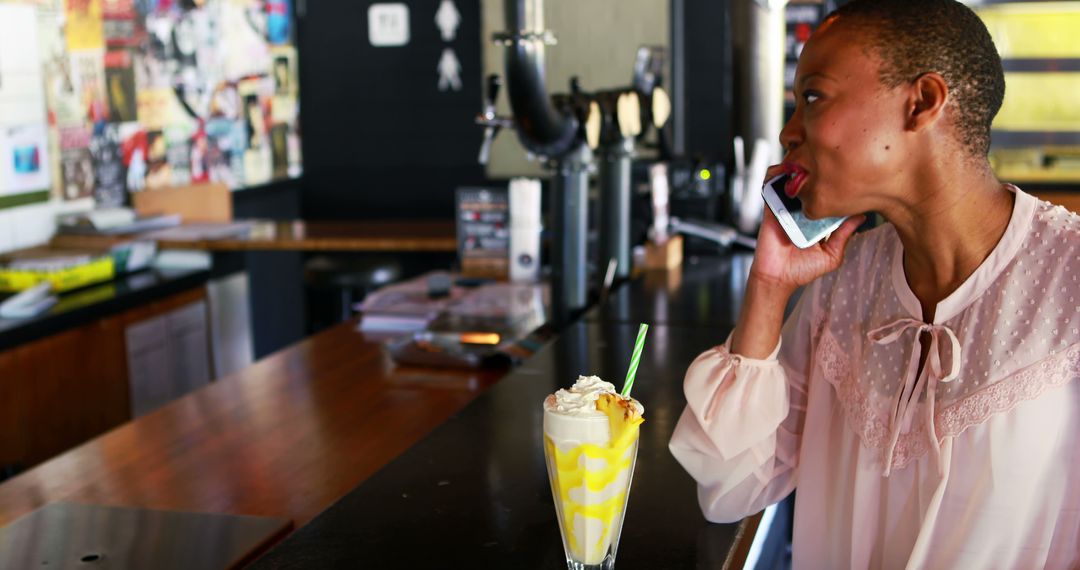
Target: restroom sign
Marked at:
447, 18
388, 24
449, 70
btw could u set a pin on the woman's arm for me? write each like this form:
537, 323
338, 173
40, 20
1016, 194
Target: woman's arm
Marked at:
741, 430
746, 401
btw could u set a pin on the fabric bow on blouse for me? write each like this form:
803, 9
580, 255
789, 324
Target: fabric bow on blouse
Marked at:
915, 384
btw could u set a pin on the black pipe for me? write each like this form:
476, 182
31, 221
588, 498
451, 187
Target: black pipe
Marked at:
615, 194
543, 130
570, 229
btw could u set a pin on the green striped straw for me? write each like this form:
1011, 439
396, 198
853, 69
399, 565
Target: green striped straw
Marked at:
635, 360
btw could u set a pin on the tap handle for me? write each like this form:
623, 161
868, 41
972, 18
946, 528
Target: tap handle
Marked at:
575, 85
494, 82
485, 147
488, 119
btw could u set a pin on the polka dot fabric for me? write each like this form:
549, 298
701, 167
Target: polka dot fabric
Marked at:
1017, 322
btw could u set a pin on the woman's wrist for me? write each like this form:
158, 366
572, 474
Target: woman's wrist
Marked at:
765, 282
767, 288
761, 318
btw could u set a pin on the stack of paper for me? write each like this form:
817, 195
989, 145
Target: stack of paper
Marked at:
405, 306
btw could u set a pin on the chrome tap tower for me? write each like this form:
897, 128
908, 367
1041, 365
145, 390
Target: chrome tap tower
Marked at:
563, 131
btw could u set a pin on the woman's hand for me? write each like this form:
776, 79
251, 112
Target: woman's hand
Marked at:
779, 269
779, 264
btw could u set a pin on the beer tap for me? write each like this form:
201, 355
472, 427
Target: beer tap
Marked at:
491, 122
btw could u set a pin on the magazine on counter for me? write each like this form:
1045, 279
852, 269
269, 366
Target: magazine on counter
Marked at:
416, 305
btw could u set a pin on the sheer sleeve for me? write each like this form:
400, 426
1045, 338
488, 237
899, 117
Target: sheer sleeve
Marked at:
740, 433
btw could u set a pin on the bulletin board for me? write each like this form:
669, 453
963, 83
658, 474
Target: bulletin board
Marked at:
102, 98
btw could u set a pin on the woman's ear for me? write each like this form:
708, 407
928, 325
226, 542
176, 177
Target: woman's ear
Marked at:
926, 104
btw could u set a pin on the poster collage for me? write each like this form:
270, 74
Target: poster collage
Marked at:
141, 94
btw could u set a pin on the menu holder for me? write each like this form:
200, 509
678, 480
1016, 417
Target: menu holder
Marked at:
483, 231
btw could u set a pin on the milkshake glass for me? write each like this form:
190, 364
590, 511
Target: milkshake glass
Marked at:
590, 444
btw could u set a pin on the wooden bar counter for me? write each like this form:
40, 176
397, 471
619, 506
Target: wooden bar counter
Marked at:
400, 236
367, 236
285, 437
391, 467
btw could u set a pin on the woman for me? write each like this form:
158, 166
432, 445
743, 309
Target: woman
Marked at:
922, 396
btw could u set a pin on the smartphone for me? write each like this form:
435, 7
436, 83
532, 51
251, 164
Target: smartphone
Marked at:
802, 231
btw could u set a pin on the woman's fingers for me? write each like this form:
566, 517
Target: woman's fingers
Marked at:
772, 171
835, 244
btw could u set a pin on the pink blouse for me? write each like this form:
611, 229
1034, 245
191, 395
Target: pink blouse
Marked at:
975, 463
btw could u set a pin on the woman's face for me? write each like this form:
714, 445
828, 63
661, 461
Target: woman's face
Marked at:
845, 144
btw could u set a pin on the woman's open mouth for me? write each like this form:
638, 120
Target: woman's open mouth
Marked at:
796, 176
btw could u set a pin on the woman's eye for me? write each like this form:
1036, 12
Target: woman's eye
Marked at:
810, 97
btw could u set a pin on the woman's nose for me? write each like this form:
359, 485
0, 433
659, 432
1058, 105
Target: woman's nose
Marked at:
791, 136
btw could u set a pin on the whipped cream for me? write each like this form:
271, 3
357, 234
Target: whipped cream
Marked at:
580, 399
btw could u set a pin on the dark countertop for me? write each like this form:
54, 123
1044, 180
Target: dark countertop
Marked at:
96, 301
704, 292
474, 494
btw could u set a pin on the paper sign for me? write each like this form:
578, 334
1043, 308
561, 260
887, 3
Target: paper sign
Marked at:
22, 93
483, 233
483, 222
388, 25
24, 159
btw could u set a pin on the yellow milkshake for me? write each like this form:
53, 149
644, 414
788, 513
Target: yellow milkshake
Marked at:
590, 442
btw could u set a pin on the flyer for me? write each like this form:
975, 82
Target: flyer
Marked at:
178, 155
284, 71
88, 68
84, 26
279, 146
108, 167
24, 159
77, 170
283, 109
154, 108
253, 93
245, 51
158, 170
64, 98
154, 63
133, 152
120, 86
258, 166
278, 21
122, 25
295, 158
198, 167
